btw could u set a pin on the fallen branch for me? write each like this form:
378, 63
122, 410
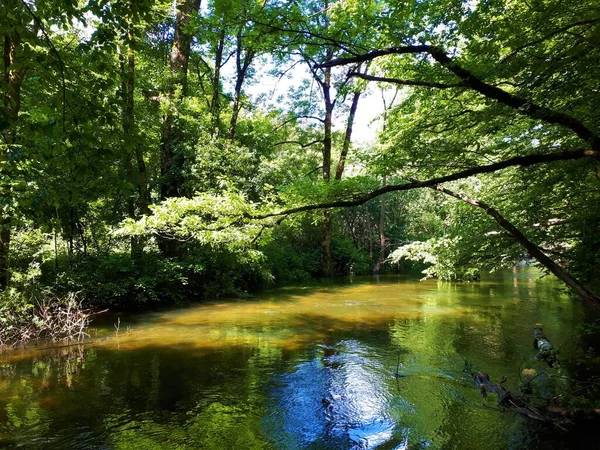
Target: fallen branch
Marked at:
51, 318
507, 398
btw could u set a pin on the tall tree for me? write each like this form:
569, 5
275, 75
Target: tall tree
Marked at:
382, 240
176, 89
248, 45
172, 153
13, 71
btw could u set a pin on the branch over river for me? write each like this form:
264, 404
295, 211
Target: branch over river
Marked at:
522, 161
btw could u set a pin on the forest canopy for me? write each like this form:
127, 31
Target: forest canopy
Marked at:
146, 155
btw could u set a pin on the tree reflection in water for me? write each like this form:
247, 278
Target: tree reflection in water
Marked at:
336, 400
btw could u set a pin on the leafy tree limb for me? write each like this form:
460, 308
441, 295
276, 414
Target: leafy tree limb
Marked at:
587, 295
430, 84
523, 161
470, 80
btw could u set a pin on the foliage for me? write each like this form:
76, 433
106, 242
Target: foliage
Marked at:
97, 121
29, 311
210, 272
292, 252
443, 256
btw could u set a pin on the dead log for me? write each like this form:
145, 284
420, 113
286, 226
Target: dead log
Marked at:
506, 398
544, 347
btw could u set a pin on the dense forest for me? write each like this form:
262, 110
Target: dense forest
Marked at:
155, 151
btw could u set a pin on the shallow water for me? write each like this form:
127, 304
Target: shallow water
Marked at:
372, 363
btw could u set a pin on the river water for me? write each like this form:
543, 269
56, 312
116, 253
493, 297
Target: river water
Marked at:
365, 363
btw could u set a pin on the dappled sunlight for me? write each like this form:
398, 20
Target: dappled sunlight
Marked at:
293, 319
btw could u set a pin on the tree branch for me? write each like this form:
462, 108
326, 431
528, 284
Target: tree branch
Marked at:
471, 81
409, 49
310, 34
523, 161
548, 36
430, 84
313, 171
311, 117
308, 144
584, 293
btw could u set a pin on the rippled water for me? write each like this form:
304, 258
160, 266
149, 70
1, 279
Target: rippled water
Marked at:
377, 363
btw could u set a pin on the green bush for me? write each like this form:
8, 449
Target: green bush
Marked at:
292, 254
348, 259
113, 280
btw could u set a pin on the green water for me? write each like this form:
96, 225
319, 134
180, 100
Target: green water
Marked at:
299, 368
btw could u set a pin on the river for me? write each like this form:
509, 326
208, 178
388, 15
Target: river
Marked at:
363, 363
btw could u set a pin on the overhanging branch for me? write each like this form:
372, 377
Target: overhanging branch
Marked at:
470, 80
429, 84
523, 161
301, 144
583, 292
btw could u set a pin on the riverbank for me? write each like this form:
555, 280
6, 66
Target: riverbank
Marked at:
42, 317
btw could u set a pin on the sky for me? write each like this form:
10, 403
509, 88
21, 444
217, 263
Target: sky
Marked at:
370, 107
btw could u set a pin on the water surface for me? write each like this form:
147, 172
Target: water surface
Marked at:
369, 363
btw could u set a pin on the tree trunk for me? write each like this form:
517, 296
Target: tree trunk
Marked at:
127, 85
11, 105
172, 160
131, 129
242, 65
4, 248
326, 243
370, 236
583, 292
347, 137
326, 259
215, 102
382, 243
130, 140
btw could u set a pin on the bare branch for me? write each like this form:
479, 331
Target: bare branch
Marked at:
310, 34
308, 144
312, 118
313, 171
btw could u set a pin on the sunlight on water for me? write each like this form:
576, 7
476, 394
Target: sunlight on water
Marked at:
376, 363
290, 318
338, 399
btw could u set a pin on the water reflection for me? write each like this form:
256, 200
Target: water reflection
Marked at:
338, 399
294, 368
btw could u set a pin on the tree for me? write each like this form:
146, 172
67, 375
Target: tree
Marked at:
14, 71
176, 89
